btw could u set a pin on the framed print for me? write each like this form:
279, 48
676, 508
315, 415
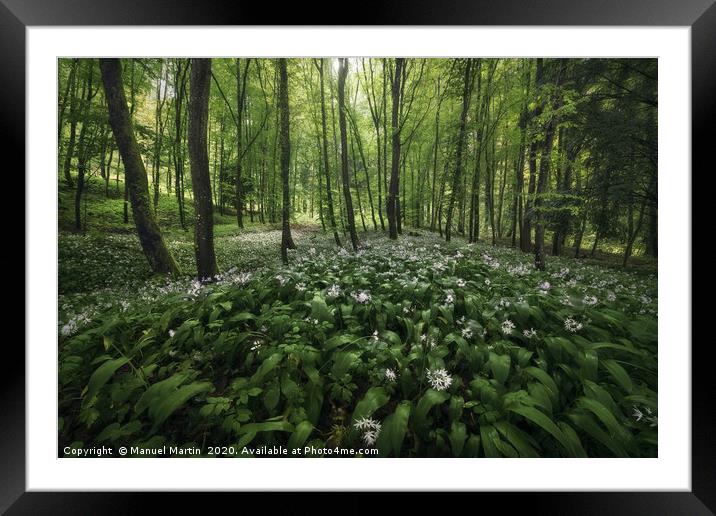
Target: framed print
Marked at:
424, 252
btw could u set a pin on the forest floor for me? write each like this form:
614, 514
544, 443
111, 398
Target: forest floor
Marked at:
416, 347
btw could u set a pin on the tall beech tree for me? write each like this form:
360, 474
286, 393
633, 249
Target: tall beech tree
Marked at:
326, 167
342, 73
286, 238
457, 176
150, 237
392, 201
199, 87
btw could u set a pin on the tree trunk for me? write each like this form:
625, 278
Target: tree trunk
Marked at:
392, 204
150, 237
286, 239
199, 86
342, 72
326, 166
458, 153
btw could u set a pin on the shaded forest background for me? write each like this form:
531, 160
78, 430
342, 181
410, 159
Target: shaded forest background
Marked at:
553, 156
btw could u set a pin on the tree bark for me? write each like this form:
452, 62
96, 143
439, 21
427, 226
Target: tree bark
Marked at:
150, 237
458, 152
199, 86
342, 73
286, 239
392, 204
326, 166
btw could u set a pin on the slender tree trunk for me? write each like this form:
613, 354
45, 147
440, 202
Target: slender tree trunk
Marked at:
286, 239
326, 166
69, 152
241, 97
392, 208
199, 86
342, 72
82, 146
150, 237
458, 152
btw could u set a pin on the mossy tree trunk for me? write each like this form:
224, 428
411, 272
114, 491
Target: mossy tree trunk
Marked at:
199, 84
342, 73
392, 201
285, 143
150, 236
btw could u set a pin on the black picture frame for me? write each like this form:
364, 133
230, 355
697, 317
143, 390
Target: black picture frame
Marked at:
16, 15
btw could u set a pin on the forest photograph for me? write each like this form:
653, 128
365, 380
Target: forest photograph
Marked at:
357, 257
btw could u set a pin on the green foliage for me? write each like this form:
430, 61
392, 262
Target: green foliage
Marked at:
302, 354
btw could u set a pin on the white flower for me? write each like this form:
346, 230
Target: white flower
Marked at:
300, 287
375, 335
333, 291
611, 296
544, 286
439, 379
466, 333
529, 333
370, 428
637, 414
255, 345
590, 300
363, 297
172, 333
460, 282
507, 327
571, 325
390, 375
449, 297
487, 281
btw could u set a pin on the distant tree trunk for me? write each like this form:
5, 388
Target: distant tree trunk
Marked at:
359, 143
179, 88
517, 221
326, 167
286, 239
433, 193
526, 232
150, 237
545, 164
241, 96
199, 86
632, 231
460, 142
356, 186
392, 205
69, 152
342, 73
159, 125
82, 152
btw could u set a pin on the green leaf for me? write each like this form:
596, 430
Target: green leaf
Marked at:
619, 374
266, 367
300, 435
373, 399
102, 376
522, 442
457, 436
540, 419
490, 439
320, 310
392, 434
546, 380
430, 399
165, 407
500, 366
